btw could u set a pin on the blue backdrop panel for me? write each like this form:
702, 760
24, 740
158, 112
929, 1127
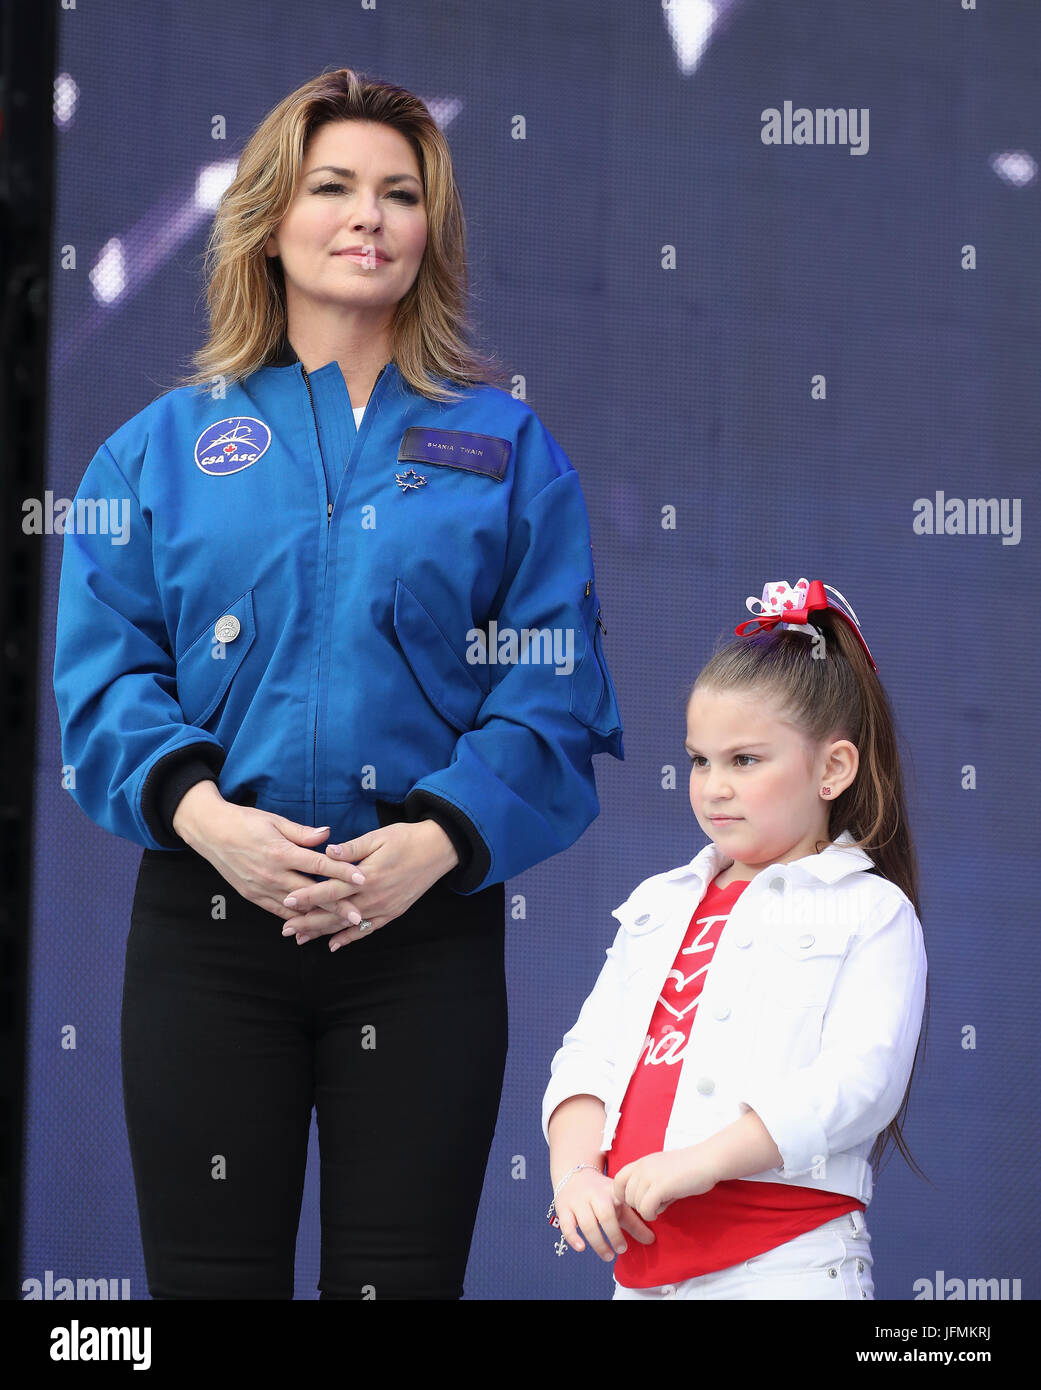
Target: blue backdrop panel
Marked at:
686, 388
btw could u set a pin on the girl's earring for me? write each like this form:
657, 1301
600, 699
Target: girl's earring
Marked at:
825, 791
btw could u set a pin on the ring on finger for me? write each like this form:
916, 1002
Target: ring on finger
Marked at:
365, 924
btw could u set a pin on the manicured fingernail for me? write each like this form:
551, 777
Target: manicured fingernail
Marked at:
335, 946
289, 902
353, 918
334, 851
288, 931
357, 877
301, 939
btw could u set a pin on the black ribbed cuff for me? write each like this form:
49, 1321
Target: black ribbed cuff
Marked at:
168, 781
474, 855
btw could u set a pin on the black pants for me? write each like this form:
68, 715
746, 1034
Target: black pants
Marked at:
231, 1033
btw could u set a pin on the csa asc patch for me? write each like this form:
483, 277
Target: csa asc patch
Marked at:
231, 445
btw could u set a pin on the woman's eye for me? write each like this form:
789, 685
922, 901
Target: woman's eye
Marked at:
400, 193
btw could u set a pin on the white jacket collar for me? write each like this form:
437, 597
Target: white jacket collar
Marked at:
832, 863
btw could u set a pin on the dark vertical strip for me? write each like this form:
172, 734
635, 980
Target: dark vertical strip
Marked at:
27, 69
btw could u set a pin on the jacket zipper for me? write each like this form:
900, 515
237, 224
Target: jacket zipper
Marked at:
328, 521
328, 499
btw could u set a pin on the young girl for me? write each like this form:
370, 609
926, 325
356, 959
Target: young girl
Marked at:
783, 974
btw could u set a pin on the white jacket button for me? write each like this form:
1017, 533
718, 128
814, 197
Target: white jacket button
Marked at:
743, 941
721, 1011
706, 1085
806, 940
226, 629
777, 884
643, 917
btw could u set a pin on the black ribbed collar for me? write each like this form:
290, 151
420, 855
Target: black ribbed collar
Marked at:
287, 357
286, 354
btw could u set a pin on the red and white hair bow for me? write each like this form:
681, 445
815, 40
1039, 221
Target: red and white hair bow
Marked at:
792, 607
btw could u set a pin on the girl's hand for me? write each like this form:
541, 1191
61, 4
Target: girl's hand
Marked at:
587, 1203
654, 1182
399, 862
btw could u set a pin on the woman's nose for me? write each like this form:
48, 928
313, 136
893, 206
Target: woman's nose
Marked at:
365, 213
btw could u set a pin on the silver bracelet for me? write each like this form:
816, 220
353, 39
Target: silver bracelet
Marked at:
561, 1245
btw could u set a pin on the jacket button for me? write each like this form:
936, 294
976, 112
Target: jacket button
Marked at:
226, 629
805, 940
643, 917
721, 1011
743, 941
777, 884
706, 1085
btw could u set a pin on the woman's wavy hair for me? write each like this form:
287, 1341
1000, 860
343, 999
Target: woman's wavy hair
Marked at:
839, 696
431, 335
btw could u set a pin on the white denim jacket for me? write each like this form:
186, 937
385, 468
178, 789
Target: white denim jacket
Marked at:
809, 1014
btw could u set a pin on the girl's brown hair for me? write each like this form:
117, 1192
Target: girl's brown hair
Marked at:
246, 289
837, 697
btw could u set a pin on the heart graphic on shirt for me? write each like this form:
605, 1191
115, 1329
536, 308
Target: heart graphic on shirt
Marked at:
681, 982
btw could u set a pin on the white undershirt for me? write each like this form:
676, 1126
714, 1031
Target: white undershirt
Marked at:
359, 411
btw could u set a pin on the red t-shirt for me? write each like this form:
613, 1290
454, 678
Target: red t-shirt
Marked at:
737, 1219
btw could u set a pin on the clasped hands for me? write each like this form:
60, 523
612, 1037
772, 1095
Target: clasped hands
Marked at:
375, 877
653, 1182
603, 1209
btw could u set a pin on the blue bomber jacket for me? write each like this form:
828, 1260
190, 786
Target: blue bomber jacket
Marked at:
340, 624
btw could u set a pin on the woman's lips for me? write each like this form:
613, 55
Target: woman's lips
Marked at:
724, 820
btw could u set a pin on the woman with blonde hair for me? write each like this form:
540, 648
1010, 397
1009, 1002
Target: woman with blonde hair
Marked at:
346, 673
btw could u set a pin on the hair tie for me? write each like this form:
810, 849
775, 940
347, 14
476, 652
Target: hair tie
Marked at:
792, 606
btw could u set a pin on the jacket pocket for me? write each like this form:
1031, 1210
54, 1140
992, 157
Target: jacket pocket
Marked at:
636, 920
805, 964
446, 680
639, 919
207, 667
593, 700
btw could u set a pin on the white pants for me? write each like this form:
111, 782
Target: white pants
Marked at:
831, 1261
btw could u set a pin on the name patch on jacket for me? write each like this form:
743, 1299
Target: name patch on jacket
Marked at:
231, 445
477, 453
